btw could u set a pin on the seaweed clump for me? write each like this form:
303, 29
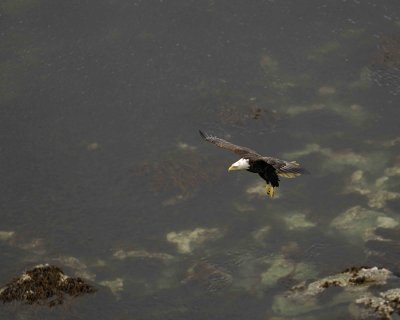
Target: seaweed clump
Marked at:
385, 68
389, 52
383, 306
241, 115
349, 278
44, 285
213, 277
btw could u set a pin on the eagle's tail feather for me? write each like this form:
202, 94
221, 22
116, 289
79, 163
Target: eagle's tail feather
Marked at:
291, 170
202, 134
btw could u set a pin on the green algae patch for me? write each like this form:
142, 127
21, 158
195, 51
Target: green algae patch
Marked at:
354, 113
357, 223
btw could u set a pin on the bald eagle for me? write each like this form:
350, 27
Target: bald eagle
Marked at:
268, 168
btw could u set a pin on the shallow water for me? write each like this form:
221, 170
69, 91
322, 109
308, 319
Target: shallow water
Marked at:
103, 167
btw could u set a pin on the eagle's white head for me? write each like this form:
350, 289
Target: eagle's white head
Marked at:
241, 164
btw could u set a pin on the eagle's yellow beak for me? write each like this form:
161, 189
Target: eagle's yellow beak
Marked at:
232, 168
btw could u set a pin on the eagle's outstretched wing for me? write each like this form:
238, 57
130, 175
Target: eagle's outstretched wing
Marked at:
241, 151
287, 169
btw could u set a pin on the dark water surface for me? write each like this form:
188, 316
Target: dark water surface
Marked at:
103, 171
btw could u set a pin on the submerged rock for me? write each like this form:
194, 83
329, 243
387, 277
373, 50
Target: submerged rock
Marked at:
261, 234
351, 279
358, 223
383, 306
281, 267
307, 150
393, 171
185, 146
298, 221
116, 285
34, 245
384, 70
7, 235
268, 63
212, 276
375, 192
338, 160
326, 90
297, 110
256, 189
387, 143
44, 285
174, 200
80, 268
93, 146
187, 240
354, 113
122, 255
383, 248
303, 298
243, 207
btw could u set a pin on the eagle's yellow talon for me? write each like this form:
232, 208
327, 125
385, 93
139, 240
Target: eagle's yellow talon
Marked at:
270, 191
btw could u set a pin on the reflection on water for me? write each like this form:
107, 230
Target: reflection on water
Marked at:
104, 173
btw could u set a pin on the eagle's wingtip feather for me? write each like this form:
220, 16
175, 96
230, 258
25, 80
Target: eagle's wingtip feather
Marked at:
203, 135
302, 170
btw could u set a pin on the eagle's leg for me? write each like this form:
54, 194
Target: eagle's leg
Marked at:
270, 190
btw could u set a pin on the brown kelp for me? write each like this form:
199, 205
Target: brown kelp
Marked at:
44, 285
